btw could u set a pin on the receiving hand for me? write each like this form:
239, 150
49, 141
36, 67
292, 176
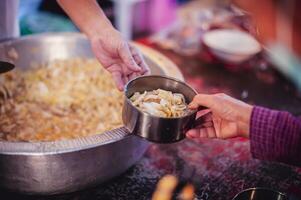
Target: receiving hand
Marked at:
120, 58
228, 118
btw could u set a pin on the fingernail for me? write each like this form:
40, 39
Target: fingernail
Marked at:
121, 87
138, 69
191, 106
188, 135
191, 135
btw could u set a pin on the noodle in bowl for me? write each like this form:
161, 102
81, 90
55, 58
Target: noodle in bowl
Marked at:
63, 99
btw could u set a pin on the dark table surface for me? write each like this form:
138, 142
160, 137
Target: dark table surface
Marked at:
218, 168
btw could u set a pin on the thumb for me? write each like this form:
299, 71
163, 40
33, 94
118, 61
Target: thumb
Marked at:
127, 58
201, 100
118, 80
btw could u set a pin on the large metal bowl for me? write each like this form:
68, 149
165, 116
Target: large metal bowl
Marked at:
67, 166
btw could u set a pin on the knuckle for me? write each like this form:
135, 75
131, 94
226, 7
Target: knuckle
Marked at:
122, 46
133, 48
131, 60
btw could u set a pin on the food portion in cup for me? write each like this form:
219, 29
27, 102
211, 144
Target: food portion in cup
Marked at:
160, 103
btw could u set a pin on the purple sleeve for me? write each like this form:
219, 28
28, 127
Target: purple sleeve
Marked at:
275, 136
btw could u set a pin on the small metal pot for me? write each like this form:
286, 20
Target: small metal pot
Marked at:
260, 194
152, 128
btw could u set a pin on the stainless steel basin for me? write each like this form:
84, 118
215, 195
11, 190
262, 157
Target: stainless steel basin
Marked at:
67, 166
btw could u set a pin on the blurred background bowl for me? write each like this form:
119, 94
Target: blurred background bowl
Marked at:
231, 46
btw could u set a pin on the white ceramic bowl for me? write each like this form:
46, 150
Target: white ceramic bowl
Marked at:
232, 46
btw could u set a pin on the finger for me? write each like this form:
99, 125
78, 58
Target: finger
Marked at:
126, 56
136, 55
217, 126
211, 132
147, 71
193, 105
188, 136
144, 68
139, 60
200, 133
125, 79
118, 80
203, 133
133, 75
193, 133
200, 100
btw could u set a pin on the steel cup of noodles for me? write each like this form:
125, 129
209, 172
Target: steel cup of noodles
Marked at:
155, 108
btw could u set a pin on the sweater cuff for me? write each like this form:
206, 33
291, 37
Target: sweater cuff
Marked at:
262, 138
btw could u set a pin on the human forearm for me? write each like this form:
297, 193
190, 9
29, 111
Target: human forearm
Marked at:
87, 15
274, 135
123, 60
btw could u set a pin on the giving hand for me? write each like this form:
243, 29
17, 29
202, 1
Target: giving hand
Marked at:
123, 60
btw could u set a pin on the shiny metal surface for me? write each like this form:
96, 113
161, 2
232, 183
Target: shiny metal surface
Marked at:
260, 194
152, 128
67, 166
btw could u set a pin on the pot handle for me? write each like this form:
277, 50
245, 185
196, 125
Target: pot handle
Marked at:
204, 120
6, 66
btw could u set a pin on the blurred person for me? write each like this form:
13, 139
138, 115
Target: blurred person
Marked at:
274, 135
118, 56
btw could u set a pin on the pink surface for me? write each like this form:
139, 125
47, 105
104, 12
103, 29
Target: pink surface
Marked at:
155, 15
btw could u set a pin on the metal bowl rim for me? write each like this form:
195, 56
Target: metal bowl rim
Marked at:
42, 35
63, 146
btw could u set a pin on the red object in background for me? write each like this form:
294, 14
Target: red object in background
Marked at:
144, 41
